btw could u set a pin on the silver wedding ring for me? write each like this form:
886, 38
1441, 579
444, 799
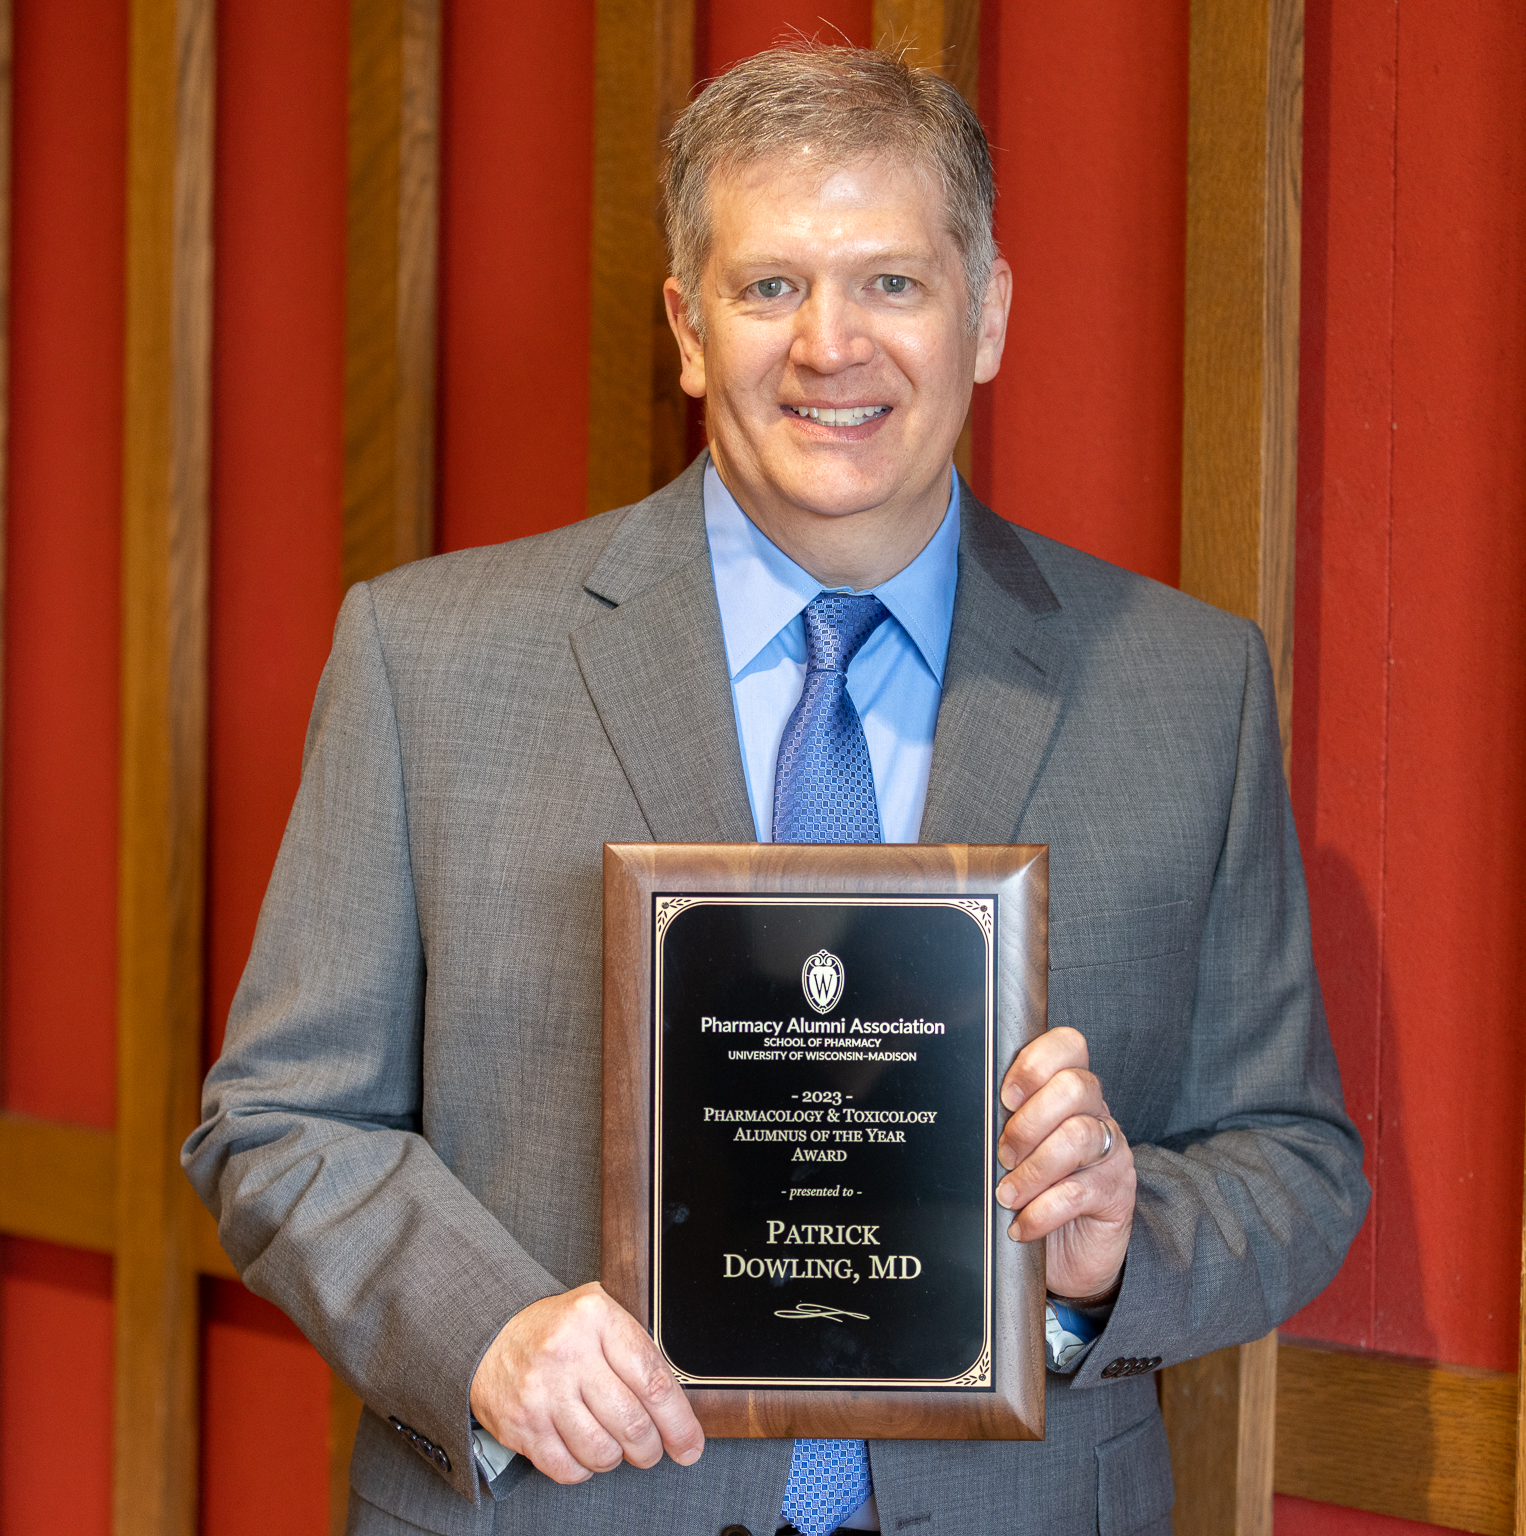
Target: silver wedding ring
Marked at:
1107, 1146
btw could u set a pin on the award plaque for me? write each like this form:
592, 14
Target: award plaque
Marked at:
803, 1052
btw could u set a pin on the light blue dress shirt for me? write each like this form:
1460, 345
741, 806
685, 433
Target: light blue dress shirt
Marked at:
895, 681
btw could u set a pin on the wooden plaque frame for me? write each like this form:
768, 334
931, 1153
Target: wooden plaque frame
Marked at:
1019, 878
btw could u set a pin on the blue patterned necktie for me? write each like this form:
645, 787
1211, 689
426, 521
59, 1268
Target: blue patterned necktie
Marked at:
823, 783
824, 793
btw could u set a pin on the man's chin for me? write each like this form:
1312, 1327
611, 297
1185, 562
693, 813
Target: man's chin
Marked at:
832, 485
839, 502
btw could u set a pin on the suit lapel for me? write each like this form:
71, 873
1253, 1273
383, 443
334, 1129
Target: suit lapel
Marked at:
1003, 686
655, 668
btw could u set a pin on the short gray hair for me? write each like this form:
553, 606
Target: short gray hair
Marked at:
852, 102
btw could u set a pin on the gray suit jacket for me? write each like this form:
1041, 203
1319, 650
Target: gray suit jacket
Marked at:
401, 1139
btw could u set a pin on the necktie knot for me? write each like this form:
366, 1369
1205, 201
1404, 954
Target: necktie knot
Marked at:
836, 626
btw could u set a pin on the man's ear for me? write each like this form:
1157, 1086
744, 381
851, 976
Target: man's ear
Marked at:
993, 321
691, 350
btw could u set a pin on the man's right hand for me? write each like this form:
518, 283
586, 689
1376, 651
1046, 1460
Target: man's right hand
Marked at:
575, 1383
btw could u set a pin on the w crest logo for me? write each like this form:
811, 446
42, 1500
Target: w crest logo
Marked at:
821, 979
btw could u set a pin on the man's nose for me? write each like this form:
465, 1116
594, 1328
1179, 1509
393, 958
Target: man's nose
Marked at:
830, 335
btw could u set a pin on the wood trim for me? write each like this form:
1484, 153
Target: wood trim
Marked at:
1409, 1438
937, 34
58, 1182
163, 787
643, 71
344, 1421
914, 28
391, 285
1240, 403
1239, 496
204, 1253
1219, 1412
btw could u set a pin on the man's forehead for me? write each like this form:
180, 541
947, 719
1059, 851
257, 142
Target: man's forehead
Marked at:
882, 203
817, 170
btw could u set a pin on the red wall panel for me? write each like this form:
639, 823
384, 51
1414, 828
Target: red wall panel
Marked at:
59, 844
1453, 1079
1345, 444
517, 176
63, 574
1410, 666
1410, 691
1080, 438
278, 436
55, 1390
728, 30
264, 1444
1303, 1517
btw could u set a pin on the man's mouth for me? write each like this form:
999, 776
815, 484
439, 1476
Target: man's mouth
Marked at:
840, 416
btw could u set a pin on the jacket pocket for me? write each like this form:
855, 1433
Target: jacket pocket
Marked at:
1134, 1488
1117, 938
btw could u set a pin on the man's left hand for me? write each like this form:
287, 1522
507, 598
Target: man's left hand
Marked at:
1066, 1183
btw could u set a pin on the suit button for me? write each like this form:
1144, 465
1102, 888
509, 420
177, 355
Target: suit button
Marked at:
1154, 1363
1115, 1368
735, 1530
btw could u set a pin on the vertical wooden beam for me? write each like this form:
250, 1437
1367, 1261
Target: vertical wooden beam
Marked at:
163, 794
1240, 406
1220, 1414
1239, 505
344, 1420
392, 242
643, 71
943, 35
391, 284
937, 34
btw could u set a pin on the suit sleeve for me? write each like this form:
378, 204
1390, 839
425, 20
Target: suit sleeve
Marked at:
1248, 1202
329, 1200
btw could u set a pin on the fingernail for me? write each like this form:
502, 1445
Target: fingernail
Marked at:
1005, 1157
1005, 1197
1010, 1096
690, 1457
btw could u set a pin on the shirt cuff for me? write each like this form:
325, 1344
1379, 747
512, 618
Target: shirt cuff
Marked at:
1068, 1335
501, 1468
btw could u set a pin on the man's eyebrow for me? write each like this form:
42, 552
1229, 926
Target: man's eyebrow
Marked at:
871, 258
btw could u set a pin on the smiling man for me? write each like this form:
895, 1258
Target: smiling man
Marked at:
815, 634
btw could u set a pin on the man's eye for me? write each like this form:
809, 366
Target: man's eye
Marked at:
769, 287
892, 284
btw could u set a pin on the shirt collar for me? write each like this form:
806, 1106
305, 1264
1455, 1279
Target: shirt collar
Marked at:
760, 589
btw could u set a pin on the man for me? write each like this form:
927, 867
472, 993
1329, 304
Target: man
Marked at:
402, 1135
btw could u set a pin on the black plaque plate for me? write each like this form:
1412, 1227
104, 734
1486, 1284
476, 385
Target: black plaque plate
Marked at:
824, 1076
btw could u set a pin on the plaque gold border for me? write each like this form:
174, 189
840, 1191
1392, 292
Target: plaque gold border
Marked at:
978, 1373
1012, 1408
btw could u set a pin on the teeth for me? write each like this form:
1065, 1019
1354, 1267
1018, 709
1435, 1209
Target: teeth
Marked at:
847, 416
